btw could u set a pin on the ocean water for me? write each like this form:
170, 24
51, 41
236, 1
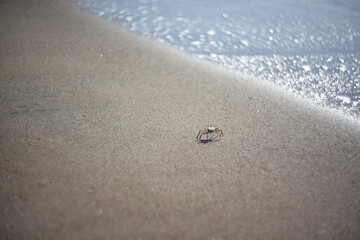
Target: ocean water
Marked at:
311, 48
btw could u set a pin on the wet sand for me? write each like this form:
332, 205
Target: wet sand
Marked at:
97, 141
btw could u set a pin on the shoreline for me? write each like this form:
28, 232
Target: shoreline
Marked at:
97, 140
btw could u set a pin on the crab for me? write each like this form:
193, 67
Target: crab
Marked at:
210, 130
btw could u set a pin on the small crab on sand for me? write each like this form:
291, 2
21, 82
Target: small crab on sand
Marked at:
212, 131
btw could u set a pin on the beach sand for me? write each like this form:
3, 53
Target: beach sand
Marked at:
97, 141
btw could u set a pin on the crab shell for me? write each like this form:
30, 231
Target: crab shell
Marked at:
211, 129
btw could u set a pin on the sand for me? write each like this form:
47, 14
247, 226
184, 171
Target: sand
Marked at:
97, 141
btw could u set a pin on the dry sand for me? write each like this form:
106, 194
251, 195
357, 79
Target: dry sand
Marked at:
97, 141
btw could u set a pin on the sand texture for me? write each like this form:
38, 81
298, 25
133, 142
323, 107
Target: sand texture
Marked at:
97, 141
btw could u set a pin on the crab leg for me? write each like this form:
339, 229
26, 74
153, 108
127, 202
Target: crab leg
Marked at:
220, 132
201, 132
216, 134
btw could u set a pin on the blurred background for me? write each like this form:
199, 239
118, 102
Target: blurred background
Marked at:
311, 48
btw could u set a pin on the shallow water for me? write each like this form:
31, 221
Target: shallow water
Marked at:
312, 49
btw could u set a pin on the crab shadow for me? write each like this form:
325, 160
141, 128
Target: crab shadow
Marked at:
202, 141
